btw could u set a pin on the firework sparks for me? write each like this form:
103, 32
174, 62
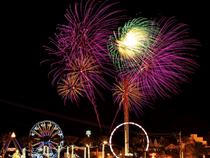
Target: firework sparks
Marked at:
84, 74
170, 62
164, 61
86, 70
80, 53
87, 33
70, 88
153, 55
131, 43
135, 97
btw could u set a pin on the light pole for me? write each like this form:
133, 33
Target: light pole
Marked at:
88, 133
67, 151
72, 151
85, 152
103, 146
88, 150
59, 149
48, 154
23, 153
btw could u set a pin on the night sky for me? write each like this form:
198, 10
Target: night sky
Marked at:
27, 27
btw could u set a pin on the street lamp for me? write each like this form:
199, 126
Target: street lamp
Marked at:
88, 150
153, 155
103, 146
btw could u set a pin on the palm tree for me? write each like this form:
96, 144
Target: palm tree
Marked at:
164, 142
24, 141
103, 139
70, 140
87, 141
134, 141
5, 139
58, 141
185, 141
196, 149
31, 139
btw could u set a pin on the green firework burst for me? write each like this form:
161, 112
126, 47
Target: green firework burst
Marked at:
131, 44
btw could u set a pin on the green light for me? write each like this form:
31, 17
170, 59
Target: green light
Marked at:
88, 132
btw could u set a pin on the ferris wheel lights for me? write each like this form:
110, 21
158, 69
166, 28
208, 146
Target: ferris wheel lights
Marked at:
47, 130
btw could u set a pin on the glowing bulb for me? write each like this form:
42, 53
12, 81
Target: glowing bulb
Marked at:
13, 135
153, 155
132, 42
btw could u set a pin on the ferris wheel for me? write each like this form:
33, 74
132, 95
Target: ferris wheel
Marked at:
47, 137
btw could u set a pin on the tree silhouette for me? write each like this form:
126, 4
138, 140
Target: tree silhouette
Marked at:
70, 140
4, 139
195, 149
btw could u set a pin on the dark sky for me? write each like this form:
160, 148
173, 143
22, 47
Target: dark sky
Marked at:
26, 28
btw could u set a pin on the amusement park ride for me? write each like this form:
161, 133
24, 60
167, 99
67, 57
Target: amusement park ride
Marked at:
15, 149
47, 135
48, 142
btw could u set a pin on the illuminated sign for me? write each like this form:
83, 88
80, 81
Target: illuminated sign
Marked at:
88, 133
11, 149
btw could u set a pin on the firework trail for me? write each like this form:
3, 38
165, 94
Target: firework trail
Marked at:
136, 99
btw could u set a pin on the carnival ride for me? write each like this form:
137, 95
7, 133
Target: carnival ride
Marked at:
48, 139
129, 123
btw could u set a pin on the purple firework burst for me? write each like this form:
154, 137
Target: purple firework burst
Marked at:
87, 33
80, 56
169, 61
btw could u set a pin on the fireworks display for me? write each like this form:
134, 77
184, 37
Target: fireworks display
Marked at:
164, 61
135, 97
70, 88
87, 33
131, 43
81, 56
152, 55
83, 74
170, 60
